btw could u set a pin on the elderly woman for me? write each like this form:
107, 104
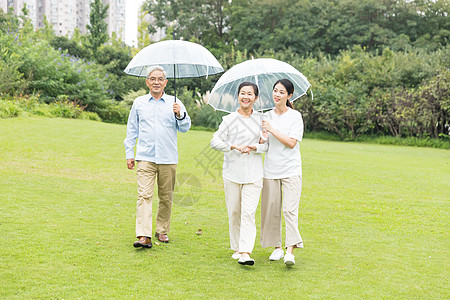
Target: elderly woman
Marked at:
242, 170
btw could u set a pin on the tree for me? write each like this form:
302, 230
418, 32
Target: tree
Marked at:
8, 21
98, 29
143, 35
63, 43
195, 20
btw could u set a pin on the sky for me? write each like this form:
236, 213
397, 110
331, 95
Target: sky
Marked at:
131, 17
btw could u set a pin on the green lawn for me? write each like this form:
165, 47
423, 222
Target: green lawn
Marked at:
374, 219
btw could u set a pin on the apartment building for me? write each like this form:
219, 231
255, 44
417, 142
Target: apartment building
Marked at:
116, 17
66, 15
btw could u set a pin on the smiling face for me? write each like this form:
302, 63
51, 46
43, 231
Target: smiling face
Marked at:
156, 82
247, 97
280, 95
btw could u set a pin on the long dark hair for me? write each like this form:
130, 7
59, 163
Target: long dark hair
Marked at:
289, 86
248, 83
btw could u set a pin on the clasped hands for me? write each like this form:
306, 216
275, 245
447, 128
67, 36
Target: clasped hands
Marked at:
244, 149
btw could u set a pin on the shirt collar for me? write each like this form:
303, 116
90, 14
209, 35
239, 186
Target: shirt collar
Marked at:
162, 97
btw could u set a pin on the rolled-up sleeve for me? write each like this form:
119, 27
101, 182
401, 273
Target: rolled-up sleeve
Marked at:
185, 124
261, 148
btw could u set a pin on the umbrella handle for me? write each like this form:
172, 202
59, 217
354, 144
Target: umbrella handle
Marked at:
175, 97
175, 83
182, 118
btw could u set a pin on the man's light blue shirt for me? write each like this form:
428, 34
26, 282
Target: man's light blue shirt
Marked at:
153, 124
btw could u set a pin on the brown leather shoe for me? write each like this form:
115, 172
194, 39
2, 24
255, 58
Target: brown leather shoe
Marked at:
162, 237
144, 242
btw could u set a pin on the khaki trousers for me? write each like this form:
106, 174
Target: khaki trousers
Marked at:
147, 173
280, 194
242, 201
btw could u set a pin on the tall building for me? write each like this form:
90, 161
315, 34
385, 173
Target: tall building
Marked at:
17, 6
116, 18
66, 15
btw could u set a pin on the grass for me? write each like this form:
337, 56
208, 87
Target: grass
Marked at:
374, 219
443, 142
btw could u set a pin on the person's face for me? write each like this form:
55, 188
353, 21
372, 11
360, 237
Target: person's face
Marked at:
280, 94
247, 97
156, 82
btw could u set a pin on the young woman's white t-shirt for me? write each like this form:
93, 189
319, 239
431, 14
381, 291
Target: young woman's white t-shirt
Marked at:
281, 161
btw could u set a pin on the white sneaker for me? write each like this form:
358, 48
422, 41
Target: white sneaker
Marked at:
246, 260
236, 255
277, 254
289, 259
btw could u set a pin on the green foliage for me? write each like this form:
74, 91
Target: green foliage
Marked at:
11, 80
331, 26
9, 109
31, 105
63, 44
89, 115
9, 22
98, 28
143, 38
395, 93
442, 143
196, 21
31, 66
114, 59
129, 98
114, 112
202, 114
64, 108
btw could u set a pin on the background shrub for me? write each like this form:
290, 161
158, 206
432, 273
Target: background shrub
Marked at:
9, 109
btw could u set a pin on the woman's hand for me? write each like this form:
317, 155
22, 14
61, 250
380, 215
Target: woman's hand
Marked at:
244, 149
264, 136
239, 148
251, 148
267, 127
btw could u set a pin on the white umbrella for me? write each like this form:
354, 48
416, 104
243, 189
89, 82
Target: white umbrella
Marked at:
264, 72
180, 59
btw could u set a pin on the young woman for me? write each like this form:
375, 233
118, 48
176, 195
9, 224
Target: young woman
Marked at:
242, 170
282, 183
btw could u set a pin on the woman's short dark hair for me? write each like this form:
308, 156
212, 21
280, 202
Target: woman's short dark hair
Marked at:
248, 83
289, 86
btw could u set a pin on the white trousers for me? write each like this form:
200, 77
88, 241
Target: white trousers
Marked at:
242, 201
280, 194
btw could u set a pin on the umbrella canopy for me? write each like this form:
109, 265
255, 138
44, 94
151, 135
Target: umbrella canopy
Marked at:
262, 71
178, 58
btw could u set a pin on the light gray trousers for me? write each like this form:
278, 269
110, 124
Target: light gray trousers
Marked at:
280, 195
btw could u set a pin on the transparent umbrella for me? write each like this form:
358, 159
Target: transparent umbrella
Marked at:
264, 72
180, 59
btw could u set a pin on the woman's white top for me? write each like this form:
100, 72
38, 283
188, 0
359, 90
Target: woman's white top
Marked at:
238, 130
281, 161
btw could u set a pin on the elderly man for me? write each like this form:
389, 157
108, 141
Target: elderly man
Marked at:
153, 123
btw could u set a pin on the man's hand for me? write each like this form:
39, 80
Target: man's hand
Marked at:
130, 163
177, 109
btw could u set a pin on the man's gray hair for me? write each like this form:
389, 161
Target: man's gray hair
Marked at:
153, 68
